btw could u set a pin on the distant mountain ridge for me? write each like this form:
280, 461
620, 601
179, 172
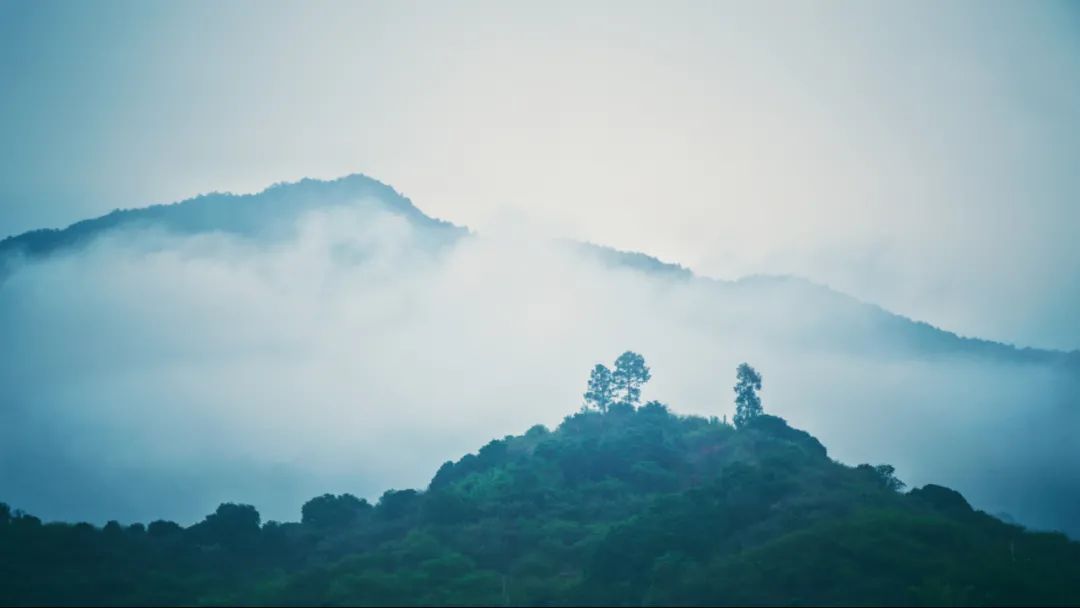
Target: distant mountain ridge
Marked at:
323, 277
271, 211
240, 214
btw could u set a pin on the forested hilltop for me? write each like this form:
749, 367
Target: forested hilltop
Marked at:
623, 503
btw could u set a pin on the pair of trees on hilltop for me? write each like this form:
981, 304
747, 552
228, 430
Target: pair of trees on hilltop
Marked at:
622, 387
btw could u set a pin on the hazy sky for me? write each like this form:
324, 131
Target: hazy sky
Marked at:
923, 156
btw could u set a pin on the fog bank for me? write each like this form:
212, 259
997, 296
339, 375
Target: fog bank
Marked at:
154, 375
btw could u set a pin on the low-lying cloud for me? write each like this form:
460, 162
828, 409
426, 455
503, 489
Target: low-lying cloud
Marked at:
152, 375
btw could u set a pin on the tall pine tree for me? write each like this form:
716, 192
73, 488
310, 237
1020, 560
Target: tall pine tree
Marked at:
600, 391
629, 376
747, 402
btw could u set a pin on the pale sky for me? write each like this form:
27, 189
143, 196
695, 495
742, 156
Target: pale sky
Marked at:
924, 156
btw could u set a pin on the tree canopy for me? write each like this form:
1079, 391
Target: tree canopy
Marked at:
621, 387
747, 402
629, 376
601, 391
332, 511
626, 506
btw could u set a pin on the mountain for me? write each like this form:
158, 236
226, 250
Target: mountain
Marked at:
320, 336
267, 214
635, 506
274, 212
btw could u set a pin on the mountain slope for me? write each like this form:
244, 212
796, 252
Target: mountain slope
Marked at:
270, 213
632, 507
274, 212
264, 347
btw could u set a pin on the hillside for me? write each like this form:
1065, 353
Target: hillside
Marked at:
635, 506
273, 214
269, 214
219, 314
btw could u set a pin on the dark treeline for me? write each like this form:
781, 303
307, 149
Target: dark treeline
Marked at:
622, 504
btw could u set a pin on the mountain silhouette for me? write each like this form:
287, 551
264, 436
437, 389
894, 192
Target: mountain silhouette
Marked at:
273, 212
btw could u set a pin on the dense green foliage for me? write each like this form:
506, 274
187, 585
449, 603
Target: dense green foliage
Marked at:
631, 506
620, 505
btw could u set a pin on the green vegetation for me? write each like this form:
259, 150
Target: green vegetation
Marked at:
621, 387
747, 402
621, 504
